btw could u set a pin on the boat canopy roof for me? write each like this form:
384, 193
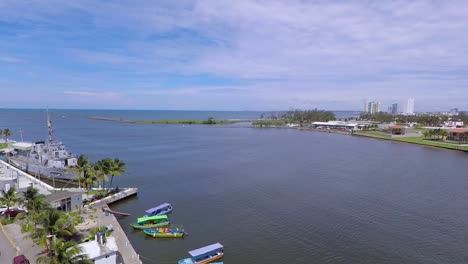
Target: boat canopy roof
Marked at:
149, 218
22, 145
159, 207
204, 250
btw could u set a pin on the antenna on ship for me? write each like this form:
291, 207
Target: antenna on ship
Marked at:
49, 125
21, 134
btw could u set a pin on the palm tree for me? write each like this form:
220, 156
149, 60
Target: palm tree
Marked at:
426, 134
81, 168
34, 201
50, 222
444, 134
118, 168
63, 252
6, 133
9, 197
102, 169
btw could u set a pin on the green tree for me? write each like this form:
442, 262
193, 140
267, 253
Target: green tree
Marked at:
9, 198
118, 168
50, 222
444, 134
102, 169
6, 134
82, 169
426, 134
63, 252
34, 201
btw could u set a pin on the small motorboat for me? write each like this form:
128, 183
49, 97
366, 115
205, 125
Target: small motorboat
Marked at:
204, 255
147, 222
162, 209
165, 232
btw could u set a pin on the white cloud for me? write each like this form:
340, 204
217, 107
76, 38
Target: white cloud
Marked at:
311, 50
10, 59
94, 95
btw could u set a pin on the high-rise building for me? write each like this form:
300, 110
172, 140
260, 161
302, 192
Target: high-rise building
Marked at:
372, 107
409, 110
394, 109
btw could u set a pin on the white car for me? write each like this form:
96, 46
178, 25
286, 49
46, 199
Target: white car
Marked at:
3, 208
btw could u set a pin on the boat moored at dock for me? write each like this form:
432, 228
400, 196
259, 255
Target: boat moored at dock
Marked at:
162, 209
147, 222
204, 255
165, 232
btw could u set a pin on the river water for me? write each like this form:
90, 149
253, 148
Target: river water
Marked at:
276, 195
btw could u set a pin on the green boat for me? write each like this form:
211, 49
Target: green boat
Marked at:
151, 222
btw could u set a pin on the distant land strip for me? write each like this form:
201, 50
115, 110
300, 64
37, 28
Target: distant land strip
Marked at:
209, 121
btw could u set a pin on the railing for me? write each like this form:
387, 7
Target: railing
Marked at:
29, 177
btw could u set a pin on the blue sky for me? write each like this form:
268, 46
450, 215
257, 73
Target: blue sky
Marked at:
233, 55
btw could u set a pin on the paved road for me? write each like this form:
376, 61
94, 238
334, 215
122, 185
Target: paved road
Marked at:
7, 252
25, 244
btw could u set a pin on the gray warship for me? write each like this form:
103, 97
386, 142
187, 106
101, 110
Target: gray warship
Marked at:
47, 158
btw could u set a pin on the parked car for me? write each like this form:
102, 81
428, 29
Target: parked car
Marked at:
3, 208
12, 212
21, 259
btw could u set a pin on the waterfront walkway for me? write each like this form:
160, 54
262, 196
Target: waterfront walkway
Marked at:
99, 218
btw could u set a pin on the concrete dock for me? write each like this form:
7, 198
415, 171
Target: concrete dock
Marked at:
126, 249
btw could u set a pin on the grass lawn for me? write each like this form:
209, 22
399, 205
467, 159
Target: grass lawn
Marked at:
426, 142
373, 134
3, 145
412, 140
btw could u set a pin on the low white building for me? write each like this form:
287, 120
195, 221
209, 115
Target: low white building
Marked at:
336, 125
102, 250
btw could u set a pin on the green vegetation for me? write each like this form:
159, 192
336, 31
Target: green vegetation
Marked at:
432, 143
97, 174
308, 116
424, 120
462, 116
373, 133
209, 121
51, 229
6, 133
9, 197
62, 251
413, 140
3, 145
300, 117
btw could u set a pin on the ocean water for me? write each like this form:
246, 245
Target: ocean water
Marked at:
276, 195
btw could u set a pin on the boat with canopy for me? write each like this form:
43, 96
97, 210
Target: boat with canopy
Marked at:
151, 222
204, 255
165, 232
162, 209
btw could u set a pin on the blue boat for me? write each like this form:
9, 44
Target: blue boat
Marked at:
204, 255
162, 209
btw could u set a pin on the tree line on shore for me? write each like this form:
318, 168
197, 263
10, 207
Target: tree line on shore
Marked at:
294, 116
426, 119
437, 134
91, 174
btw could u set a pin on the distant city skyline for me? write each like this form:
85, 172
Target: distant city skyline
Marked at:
234, 55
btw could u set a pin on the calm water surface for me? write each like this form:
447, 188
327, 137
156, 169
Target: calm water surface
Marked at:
277, 195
